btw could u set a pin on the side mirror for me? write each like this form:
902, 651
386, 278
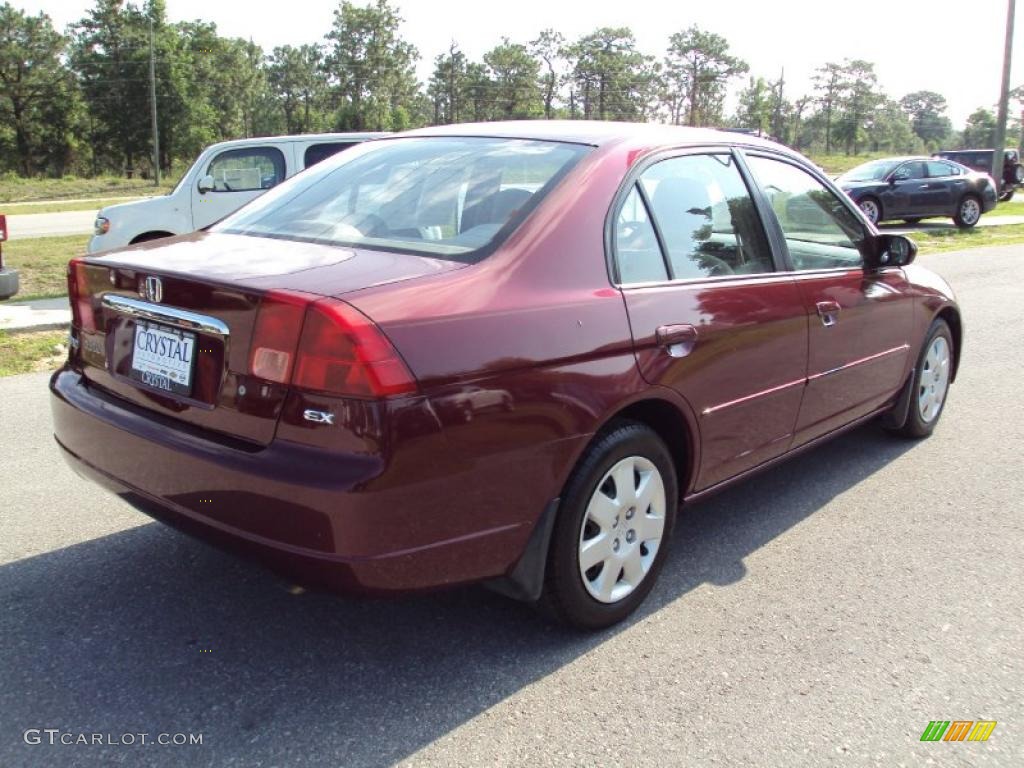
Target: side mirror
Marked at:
206, 184
892, 251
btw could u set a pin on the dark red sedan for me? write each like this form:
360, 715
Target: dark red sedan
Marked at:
501, 353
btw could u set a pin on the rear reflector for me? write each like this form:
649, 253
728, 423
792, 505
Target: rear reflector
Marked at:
82, 315
325, 346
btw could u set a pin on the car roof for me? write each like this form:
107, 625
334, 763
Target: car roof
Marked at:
597, 133
363, 136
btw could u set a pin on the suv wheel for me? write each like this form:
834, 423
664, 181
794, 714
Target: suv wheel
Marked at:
613, 529
968, 213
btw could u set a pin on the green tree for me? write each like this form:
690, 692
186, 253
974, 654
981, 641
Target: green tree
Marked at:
697, 68
754, 111
890, 129
980, 130
547, 48
514, 81
296, 78
372, 68
38, 95
927, 112
828, 83
859, 96
447, 86
110, 54
611, 79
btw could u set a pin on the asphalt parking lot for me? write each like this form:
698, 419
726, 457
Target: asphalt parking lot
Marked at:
819, 614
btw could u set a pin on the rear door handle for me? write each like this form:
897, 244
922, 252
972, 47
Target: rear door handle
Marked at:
828, 311
677, 339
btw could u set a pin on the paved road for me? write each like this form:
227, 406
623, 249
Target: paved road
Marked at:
25, 225
818, 615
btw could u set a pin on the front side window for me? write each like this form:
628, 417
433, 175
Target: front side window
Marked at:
912, 170
244, 170
706, 217
820, 231
454, 197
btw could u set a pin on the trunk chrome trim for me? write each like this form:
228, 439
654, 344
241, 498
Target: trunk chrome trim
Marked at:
180, 318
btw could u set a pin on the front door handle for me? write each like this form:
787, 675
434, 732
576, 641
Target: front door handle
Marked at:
828, 311
677, 339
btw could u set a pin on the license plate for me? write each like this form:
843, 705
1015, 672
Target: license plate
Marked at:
162, 357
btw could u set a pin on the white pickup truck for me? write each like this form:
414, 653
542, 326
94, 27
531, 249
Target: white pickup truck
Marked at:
224, 178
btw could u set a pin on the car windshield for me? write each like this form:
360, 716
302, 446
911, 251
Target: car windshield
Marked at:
876, 170
446, 197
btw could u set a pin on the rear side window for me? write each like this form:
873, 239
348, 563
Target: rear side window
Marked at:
450, 197
244, 170
938, 170
636, 244
317, 152
706, 217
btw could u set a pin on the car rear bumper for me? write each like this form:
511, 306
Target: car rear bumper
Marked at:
307, 512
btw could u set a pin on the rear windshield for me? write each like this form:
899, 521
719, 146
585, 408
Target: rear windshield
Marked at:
454, 198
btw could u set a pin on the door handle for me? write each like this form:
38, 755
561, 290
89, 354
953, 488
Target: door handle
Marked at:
923, 186
828, 312
679, 340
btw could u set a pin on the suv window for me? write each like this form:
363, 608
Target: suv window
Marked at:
636, 245
317, 152
247, 169
820, 231
706, 217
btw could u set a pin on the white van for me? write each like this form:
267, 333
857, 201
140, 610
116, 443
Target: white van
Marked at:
224, 178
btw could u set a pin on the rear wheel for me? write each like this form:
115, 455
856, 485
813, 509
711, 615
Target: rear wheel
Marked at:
613, 527
930, 383
968, 213
872, 209
1007, 195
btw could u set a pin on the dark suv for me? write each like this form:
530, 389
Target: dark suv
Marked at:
981, 160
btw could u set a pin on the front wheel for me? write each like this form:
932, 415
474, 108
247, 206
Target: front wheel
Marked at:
930, 383
613, 528
968, 213
872, 209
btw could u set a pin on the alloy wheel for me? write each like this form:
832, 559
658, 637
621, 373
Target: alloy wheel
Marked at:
622, 529
870, 208
934, 380
970, 211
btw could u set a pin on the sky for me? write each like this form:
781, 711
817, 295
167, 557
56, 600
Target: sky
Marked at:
942, 45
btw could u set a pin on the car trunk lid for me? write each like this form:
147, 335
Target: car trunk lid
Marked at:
169, 325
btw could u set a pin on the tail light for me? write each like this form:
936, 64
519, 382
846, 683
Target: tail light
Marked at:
82, 315
325, 345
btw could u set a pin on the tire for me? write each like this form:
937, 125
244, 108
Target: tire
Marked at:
1018, 173
913, 220
872, 208
1007, 196
968, 212
930, 377
595, 509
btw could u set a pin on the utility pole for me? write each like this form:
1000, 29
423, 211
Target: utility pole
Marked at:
152, 105
1004, 99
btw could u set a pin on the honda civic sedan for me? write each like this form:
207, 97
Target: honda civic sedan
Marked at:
915, 188
504, 353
